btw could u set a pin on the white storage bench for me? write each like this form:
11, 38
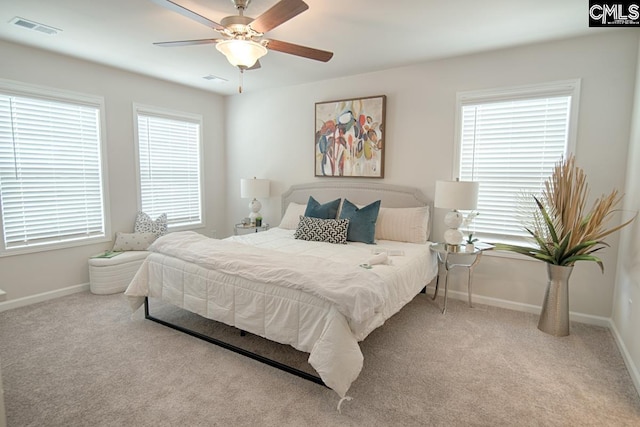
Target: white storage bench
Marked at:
113, 275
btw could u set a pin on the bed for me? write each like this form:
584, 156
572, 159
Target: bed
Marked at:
320, 298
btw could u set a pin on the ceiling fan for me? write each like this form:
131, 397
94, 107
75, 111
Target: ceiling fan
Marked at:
242, 39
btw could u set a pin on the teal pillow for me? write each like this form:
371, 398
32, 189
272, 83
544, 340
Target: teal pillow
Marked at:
362, 221
326, 211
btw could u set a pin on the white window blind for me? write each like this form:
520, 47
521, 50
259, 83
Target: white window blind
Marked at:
50, 171
511, 146
169, 168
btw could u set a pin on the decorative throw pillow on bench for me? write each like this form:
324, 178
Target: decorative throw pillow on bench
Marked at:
146, 231
133, 241
144, 224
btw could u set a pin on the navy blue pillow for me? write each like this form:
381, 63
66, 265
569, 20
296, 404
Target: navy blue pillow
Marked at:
327, 211
362, 222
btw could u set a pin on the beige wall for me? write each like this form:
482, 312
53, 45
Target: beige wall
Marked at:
626, 311
270, 135
26, 275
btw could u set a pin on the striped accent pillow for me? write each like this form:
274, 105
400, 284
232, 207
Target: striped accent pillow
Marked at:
403, 224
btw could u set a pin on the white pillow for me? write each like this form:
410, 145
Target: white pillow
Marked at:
292, 215
133, 241
403, 224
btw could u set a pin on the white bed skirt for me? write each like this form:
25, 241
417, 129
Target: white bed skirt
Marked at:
305, 321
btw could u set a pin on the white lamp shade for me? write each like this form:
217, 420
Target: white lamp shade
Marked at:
254, 188
461, 195
241, 53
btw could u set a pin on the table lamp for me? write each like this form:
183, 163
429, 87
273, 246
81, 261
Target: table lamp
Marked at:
455, 195
254, 189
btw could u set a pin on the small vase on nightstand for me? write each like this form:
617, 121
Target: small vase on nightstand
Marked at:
469, 247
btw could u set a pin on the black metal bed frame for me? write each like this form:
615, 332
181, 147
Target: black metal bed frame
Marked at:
241, 351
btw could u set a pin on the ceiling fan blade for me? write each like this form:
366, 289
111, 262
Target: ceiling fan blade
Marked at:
278, 14
175, 7
187, 42
295, 49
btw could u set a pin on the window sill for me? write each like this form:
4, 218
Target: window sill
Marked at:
53, 246
186, 227
511, 255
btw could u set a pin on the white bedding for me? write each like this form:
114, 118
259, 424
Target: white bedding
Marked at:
311, 295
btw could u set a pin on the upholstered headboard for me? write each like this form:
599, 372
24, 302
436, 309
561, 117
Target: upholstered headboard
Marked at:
359, 192
411, 225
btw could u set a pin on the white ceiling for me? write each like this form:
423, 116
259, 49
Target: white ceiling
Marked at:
365, 35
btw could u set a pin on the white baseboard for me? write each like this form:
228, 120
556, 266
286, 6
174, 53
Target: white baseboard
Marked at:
33, 299
529, 308
628, 360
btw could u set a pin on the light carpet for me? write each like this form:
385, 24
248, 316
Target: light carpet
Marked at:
84, 360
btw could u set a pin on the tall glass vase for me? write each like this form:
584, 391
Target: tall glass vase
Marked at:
554, 318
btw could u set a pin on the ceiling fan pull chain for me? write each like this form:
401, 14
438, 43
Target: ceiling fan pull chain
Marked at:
240, 85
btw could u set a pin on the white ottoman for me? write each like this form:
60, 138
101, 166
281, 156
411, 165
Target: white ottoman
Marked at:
113, 275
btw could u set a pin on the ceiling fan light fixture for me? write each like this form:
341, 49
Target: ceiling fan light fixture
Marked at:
241, 53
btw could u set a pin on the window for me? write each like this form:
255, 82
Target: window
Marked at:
51, 173
169, 146
509, 141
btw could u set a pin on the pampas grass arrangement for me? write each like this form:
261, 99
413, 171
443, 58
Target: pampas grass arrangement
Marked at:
561, 228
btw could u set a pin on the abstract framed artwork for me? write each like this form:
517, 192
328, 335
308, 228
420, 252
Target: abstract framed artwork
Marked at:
349, 137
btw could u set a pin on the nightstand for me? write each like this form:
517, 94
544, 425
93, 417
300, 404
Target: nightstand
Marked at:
240, 229
460, 257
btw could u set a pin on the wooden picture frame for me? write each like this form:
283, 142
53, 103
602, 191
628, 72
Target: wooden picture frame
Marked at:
349, 137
